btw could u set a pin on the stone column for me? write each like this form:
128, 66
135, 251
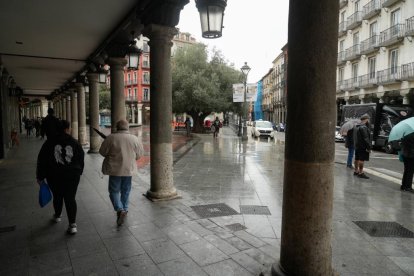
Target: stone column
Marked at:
74, 113
80, 88
68, 109
133, 113
118, 112
95, 140
162, 184
309, 163
64, 110
139, 113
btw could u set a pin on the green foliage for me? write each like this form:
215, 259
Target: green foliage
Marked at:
199, 86
104, 97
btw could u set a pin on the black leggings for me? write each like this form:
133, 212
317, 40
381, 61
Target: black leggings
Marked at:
64, 189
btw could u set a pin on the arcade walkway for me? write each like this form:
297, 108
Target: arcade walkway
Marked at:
238, 235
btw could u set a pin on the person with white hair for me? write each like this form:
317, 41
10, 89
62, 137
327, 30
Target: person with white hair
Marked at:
121, 150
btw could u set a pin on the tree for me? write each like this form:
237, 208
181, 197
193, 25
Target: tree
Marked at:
200, 87
104, 97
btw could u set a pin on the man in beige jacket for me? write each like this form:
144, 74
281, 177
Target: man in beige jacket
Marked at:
121, 150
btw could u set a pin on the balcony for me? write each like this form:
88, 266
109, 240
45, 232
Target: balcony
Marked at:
145, 99
390, 75
354, 20
131, 99
341, 58
372, 9
353, 53
389, 3
392, 35
369, 45
339, 86
343, 3
342, 28
348, 85
130, 82
409, 27
407, 72
368, 80
145, 64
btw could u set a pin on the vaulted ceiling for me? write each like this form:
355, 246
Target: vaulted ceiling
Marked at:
45, 44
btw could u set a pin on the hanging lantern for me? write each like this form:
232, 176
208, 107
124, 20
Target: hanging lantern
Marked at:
102, 75
211, 17
133, 54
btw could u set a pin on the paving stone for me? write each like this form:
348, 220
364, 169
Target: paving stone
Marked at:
249, 238
51, 263
221, 244
95, 264
183, 266
123, 247
405, 263
200, 230
248, 263
147, 232
238, 243
203, 252
181, 234
85, 245
137, 265
226, 267
161, 250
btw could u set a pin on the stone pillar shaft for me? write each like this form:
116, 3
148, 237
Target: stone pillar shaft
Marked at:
80, 88
95, 140
162, 184
64, 110
74, 113
308, 173
117, 90
68, 109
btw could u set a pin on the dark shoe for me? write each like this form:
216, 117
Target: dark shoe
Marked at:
411, 190
121, 217
355, 173
363, 175
349, 166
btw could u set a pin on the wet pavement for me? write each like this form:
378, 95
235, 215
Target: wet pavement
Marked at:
227, 222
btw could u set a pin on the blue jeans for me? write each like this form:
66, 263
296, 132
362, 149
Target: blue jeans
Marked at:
350, 155
119, 188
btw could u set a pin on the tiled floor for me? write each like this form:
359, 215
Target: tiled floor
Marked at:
169, 238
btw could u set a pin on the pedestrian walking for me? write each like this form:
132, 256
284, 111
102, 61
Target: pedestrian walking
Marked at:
407, 151
362, 143
188, 126
216, 125
50, 125
121, 150
347, 130
61, 163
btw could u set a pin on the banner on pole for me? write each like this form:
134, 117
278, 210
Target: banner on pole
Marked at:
238, 92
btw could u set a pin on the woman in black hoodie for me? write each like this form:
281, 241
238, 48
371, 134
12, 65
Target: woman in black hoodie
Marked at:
61, 162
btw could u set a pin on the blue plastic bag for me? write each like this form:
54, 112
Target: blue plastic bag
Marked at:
45, 195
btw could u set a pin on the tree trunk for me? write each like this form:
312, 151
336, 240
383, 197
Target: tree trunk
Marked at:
198, 120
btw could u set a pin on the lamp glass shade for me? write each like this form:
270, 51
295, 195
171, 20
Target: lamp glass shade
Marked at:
102, 75
211, 17
133, 56
245, 69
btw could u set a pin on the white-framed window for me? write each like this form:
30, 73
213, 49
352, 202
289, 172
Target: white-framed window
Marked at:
146, 77
343, 16
356, 6
135, 77
355, 38
355, 71
145, 61
395, 17
341, 45
129, 79
135, 93
372, 67
394, 61
373, 29
129, 93
146, 94
341, 72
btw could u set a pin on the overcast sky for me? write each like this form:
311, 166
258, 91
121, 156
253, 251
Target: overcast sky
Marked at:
254, 31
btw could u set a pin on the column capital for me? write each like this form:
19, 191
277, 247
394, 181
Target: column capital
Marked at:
92, 77
117, 62
159, 32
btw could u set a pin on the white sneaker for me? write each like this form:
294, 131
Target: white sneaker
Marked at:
72, 229
57, 219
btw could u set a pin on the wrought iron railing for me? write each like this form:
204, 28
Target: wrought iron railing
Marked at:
341, 57
348, 84
352, 52
132, 98
390, 75
407, 71
371, 9
369, 45
409, 26
131, 82
368, 80
354, 20
342, 28
392, 35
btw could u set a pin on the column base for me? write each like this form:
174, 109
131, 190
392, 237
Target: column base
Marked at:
276, 270
154, 196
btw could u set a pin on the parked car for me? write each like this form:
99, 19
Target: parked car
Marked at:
338, 136
262, 129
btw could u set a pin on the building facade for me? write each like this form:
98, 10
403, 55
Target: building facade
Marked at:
375, 52
267, 96
279, 87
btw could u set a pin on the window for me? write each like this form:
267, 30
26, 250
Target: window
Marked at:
129, 79
135, 77
356, 38
341, 74
371, 67
135, 93
343, 16
146, 95
396, 17
355, 72
145, 61
341, 45
146, 78
129, 93
356, 6
394, 61
373, 29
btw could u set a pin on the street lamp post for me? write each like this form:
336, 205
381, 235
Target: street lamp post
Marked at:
245, 70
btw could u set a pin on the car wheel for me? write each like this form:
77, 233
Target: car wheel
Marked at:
388, 148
